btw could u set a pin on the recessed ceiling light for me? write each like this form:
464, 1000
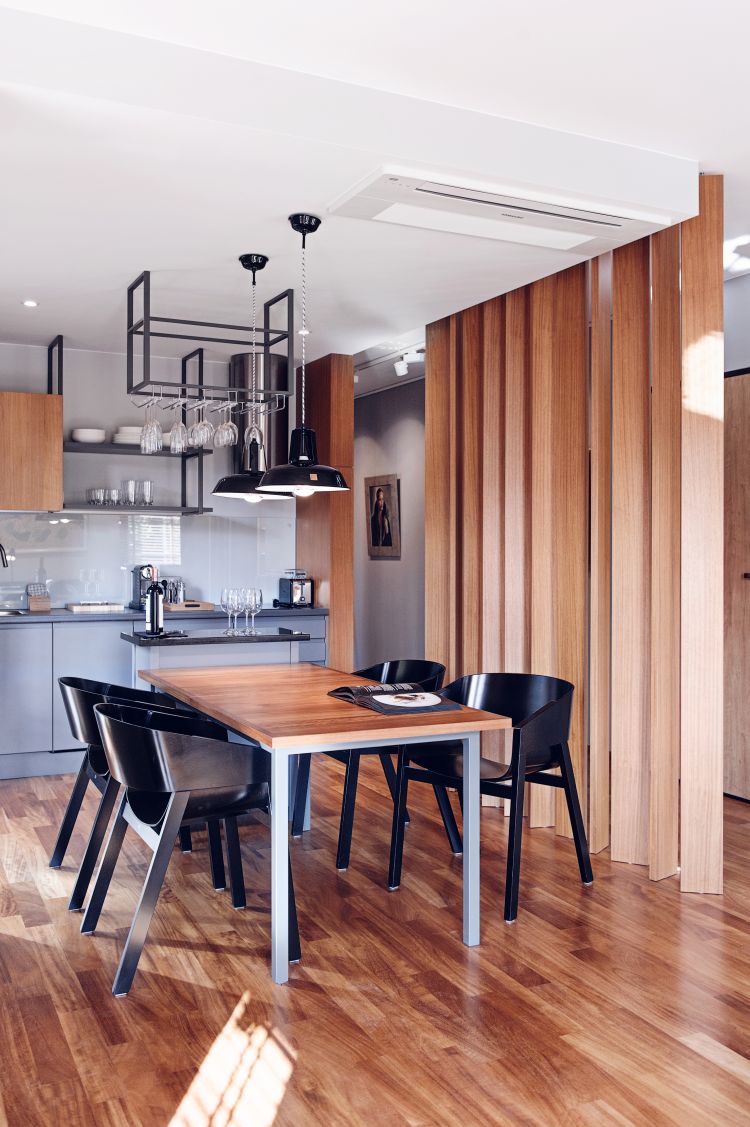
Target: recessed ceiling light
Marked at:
30, 303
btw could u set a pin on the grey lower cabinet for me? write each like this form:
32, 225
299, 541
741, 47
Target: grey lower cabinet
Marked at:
25, 692
86, 649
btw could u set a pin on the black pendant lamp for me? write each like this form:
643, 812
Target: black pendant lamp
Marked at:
304, 475
244, 485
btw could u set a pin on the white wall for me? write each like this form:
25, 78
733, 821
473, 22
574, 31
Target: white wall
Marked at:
389, 593
91, 556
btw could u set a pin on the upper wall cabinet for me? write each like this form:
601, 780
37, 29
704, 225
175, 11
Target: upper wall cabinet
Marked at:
31, 449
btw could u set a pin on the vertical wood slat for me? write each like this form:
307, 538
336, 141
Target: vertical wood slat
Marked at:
630, 554
736, 588
666, 377
570, 510
491, 431
543, 373
702, 514
601, 559
515, 436
469, 391
439, 589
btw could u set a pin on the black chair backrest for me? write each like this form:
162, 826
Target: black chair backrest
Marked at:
522, 696
428, 674
80, 696
162, 752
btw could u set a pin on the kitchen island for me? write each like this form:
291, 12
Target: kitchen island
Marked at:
187, 649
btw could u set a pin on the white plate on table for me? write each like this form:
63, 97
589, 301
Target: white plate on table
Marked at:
408, 700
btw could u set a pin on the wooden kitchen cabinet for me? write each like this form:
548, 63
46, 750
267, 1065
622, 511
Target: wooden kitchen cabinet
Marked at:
31, 452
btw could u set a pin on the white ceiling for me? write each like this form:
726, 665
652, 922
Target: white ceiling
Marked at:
123, 153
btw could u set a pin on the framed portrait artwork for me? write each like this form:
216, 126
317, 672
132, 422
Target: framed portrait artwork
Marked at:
383, 517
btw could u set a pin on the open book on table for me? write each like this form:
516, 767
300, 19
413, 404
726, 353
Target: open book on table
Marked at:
393, 698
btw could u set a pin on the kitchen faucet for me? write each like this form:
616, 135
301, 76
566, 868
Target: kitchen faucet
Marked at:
3, 557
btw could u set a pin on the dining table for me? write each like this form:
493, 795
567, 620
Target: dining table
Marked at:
288, 711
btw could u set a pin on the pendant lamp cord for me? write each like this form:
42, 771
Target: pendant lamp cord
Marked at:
254, 412
304, 326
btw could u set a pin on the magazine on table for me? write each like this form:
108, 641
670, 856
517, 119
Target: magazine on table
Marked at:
392, 699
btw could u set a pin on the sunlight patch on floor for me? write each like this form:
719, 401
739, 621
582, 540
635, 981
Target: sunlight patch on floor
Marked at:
242, 1079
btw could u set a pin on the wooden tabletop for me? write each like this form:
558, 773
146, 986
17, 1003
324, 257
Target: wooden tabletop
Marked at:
287, 706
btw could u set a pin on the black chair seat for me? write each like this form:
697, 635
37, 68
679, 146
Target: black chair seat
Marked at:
450, 762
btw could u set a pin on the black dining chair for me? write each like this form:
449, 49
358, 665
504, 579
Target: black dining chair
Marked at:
177, 770
540, 709
429, 675
80, 695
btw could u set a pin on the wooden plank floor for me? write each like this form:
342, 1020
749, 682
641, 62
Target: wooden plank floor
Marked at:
625, 1003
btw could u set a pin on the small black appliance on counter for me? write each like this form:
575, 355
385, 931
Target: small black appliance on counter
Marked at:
296, 590
143, 576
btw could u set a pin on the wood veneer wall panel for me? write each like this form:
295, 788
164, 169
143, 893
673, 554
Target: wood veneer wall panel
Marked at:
736, 588
493, 439
630, 554
469, 394
440, 593
31, 451
666, 378
601, 558
570, 509
325, 522
543, 374
702, 595
515, 436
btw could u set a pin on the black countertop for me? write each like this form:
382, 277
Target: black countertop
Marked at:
171, 618
173, 637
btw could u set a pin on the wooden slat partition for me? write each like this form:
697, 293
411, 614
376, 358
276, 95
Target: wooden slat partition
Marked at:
578, 509
630, 553
736, 587
702, 514
325, 522
601, 552
666, 379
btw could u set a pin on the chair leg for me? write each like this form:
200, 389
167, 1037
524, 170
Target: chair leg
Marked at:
94, 845
348, 803
515, 826
106, 869
149, 895
397, 829
295, 951
71, 814
216, 856
300, 794
576, 818
234, 860
390, 777
449, 820
186, 839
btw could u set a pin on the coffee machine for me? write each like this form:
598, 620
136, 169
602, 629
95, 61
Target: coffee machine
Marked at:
143, 576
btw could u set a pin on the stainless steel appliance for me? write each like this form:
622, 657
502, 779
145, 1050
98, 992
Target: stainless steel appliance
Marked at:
296, 590
274, 425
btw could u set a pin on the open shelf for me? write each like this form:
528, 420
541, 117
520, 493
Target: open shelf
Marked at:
126, 510
123, 448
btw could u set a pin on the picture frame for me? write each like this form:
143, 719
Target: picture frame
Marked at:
383, 516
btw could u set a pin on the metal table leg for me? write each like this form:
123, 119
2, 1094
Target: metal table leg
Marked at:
471, 839
279, 866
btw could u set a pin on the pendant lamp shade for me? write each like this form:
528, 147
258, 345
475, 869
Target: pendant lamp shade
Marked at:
244, 485
303, 475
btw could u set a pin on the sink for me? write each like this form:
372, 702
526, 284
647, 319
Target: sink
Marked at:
6, 613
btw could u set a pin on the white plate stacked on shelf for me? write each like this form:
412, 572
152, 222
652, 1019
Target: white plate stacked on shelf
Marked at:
91, 435
127, 436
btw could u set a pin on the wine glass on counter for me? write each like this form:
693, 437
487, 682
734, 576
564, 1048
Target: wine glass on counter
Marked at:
253, 604
224, 604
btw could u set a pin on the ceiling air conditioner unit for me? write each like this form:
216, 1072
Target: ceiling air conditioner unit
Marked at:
410, 200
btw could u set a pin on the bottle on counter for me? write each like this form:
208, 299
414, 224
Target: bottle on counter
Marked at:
155, 606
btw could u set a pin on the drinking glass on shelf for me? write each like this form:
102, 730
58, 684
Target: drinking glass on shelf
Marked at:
95, 496
178, 436
144, 494
253, 603
128, 490
112, 497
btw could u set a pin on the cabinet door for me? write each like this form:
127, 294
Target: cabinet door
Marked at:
86, 649
31, 451
25, 688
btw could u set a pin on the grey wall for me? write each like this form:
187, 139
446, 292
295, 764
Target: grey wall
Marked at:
737, 323
389, 593
90, 556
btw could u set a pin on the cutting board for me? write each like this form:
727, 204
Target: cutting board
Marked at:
188, 605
